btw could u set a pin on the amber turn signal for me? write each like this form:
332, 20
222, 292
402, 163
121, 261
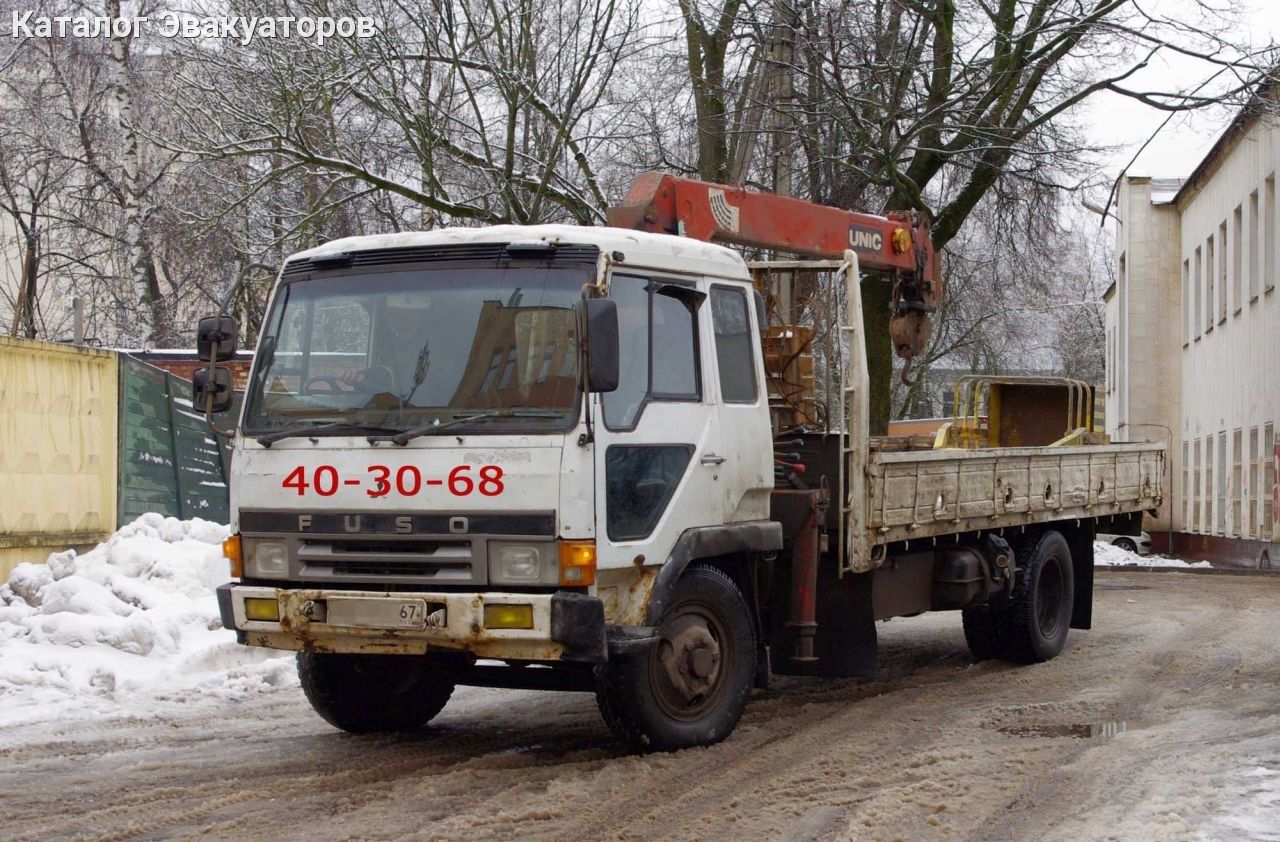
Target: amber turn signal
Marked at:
231, 550
577, 563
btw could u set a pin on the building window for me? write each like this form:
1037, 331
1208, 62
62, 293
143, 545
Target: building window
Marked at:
1251, 499
1268, 480
1237, 474
1186, 487
1197, 298
1254, 266
1220, 515
1211, 282
1220, 283
1186, 302
1196, 489
1269, 233
1110, 362
1237, 259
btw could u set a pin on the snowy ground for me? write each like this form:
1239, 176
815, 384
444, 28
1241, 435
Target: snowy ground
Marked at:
120, 699
1109, 555
132, 623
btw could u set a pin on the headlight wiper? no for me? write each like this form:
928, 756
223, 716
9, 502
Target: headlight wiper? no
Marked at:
403, 438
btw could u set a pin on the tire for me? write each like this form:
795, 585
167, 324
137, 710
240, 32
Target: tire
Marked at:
1037, 616
983, 632
1125, 544
708, 632
365, 694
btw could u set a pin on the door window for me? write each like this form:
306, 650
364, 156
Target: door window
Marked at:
734, 342
639, 483
675, 349
657, 328
622, 405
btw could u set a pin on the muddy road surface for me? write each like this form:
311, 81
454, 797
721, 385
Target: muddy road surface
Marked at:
1162, 722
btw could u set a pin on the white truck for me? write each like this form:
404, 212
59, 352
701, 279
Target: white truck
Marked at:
544, 457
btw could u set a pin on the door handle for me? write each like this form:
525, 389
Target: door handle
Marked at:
711, 459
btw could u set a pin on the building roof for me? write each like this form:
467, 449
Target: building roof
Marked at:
1261, 101
1165, 190
656, 251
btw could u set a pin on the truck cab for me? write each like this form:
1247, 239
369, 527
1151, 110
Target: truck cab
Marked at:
452, 452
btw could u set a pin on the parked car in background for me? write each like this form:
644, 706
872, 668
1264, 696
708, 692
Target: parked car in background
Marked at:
1140, 544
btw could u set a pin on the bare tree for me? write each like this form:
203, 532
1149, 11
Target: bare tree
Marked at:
480, 110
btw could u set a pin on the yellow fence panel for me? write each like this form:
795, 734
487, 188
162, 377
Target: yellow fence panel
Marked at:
58, 448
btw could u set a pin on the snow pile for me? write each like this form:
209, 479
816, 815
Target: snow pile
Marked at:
1109, 555
136, 615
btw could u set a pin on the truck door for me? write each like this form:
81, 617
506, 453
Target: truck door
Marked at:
745, 469
657, 437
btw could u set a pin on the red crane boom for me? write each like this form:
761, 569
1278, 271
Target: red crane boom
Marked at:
897, 245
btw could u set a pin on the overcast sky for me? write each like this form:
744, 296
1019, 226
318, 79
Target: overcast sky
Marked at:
1180, 145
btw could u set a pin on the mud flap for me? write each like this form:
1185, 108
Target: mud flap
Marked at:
577, 623
844, 644
1080, 540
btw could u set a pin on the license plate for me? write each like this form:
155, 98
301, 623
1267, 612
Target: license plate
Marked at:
377, 613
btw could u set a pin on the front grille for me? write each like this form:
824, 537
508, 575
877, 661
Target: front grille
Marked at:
401, 547
431, 559
397, 568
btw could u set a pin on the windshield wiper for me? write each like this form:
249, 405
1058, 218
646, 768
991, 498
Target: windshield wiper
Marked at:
407, 436
270, 438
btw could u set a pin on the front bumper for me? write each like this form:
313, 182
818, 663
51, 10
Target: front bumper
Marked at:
566, 625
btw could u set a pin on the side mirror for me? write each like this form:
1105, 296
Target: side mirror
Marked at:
216, 333
216, 382
600, 324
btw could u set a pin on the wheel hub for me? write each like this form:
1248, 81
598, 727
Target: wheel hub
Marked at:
691, 659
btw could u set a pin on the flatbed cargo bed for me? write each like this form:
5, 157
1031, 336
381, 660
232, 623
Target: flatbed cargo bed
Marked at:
915, 493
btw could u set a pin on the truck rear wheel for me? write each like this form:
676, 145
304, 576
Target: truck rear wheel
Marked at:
691, 687
370, 693
1038, 615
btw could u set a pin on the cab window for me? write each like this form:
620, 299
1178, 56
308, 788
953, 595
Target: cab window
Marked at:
657, 326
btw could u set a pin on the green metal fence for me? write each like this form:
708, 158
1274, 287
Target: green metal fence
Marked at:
169, 460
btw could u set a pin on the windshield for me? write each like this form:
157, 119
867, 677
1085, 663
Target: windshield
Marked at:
416, 348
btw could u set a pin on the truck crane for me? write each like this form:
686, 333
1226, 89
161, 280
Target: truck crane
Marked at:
544, 457
897, 246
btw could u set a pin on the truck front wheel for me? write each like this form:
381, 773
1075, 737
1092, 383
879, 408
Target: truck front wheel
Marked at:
691, 687
369, 693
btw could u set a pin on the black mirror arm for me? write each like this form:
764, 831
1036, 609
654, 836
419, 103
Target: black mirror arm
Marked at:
213, 425
589, 436
213, 365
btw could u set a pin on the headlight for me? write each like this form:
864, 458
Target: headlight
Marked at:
268, 559
512, 563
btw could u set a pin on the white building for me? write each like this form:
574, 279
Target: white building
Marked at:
1193, 341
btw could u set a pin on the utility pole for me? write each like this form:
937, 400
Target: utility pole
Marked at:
781, 91
77, 320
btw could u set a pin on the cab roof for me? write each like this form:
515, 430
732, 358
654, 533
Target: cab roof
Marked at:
642, 249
